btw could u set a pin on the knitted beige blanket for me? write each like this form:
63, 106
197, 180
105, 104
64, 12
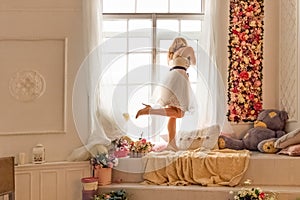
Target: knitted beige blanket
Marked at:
224, 167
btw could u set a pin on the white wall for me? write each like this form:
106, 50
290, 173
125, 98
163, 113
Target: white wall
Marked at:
45, 36
56, 20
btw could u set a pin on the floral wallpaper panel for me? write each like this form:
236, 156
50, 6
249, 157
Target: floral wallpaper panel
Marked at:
245, 60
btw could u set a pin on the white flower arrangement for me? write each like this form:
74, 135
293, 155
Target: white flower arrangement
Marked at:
252, 193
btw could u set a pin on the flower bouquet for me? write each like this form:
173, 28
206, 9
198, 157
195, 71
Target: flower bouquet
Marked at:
140, 147
104, 160
254, 194
121, 147
113, 195
102, 167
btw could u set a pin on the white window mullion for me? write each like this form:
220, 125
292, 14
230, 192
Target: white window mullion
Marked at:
154, 47
127, 61
179, 24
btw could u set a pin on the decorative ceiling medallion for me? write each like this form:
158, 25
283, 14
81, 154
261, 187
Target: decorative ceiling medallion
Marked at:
27, 85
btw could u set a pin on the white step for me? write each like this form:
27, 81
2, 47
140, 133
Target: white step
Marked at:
138, 191
270, 172
273, 170
263, 169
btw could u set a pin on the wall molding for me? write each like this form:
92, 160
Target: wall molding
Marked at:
40, 10
288, 59
65, 64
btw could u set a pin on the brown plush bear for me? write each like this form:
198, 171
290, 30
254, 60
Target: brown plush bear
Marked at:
269, 126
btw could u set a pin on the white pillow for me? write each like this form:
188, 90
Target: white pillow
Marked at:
206, 138
292, 150
288, 139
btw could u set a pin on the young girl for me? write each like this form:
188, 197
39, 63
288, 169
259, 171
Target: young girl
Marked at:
175, 93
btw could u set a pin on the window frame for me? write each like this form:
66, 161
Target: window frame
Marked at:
155, 49
135, 9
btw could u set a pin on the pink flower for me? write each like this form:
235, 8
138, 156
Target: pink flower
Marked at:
262, 195
234, 19
242, 36
235, 90
235, 32
257, 83
122, 149
258, 31
250, 8
248, 14
143, 141
258, 106
244, 75
110, 165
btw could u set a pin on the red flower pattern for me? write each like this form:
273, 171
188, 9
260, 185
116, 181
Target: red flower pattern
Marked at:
245, 57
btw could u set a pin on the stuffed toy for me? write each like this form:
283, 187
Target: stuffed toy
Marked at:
268, 127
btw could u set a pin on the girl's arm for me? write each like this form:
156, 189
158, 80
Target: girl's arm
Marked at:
190, 54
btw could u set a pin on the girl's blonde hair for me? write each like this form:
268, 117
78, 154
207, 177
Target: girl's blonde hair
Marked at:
177, 44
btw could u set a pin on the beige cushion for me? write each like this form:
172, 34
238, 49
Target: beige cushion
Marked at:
288, 139
205, 138
293, 150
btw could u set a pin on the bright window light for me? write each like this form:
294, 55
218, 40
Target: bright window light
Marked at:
152, 6
139, 24
118, 6
115, 26
191, 25
186, 6
172, 25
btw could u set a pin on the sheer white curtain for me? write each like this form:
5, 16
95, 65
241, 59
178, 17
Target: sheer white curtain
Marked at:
213, 105
101, 126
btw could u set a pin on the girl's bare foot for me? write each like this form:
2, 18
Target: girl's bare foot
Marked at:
171, 147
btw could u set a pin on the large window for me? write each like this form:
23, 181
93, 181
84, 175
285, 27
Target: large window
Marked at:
142, 32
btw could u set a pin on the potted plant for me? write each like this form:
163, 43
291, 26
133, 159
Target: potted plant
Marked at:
102, 167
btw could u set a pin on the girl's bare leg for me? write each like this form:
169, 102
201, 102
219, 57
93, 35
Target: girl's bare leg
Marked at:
172, 133
172, 112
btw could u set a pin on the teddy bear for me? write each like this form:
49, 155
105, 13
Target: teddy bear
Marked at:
268, 127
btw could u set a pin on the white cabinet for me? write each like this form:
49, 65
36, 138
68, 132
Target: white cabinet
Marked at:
50, 181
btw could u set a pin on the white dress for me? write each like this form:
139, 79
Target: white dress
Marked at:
176, 89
